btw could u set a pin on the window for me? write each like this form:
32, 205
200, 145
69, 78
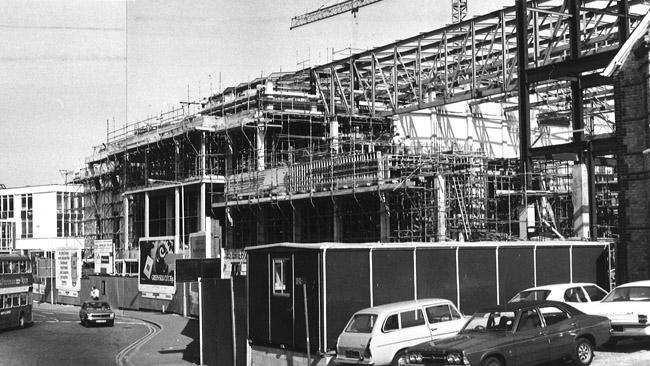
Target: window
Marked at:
23, 299
279, 276
595, 293
2, 302
411, 318
362, 323
441, 313
391, 323
553, 314
6, 207
16, 302
574, 294
69, 214
7, 301
7, 235
26, 216
531, 295
529, 320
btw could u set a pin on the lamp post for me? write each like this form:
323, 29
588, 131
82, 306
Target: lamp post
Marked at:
182, 185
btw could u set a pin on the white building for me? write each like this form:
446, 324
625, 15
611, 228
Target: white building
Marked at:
41, 218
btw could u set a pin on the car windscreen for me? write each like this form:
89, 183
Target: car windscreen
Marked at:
531, 295
495, 321
361, 323
98, 306
639, 293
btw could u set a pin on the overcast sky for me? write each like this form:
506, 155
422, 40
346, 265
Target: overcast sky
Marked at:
66, 67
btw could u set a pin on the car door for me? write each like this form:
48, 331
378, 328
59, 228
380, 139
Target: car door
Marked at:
558, 328
443, 320
531, 342
400, 330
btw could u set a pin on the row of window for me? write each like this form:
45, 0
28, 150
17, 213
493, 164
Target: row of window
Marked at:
6, 207
7, 235
9, 267
13, 300
69, 214
27, 216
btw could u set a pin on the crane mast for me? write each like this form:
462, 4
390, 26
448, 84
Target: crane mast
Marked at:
458, 11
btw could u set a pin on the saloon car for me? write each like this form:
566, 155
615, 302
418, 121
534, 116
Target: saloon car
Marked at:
628, 308
576, 294
519, 333
380, 335
96, 312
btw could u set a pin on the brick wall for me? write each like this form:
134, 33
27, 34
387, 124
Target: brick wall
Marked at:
633, 137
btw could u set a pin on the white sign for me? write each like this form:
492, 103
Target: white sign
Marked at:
104, 246
68, 270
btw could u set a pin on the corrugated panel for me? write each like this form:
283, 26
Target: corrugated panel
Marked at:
477, 278
516, 271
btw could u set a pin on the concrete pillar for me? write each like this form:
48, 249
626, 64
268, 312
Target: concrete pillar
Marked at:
298, 212
334, 136
202, 158
526, 220
177, 219
202, 207
337, 225
384, 222
260, 146
146, 214
580, 198
441, 208
125, 202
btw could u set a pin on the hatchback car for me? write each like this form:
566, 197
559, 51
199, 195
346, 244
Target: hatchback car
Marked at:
575, 294
380, 335
628, 308
519, 333
96, 312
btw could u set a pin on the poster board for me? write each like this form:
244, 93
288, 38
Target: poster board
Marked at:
68, 272
157, 265
103, 256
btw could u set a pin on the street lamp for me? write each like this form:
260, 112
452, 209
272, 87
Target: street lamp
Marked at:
182, 185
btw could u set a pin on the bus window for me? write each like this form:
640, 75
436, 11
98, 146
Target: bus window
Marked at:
7, 301
23, 267
15, 300
2, 302
5, 267
2, 267
23, 299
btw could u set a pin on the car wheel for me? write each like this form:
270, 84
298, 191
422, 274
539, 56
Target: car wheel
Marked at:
492, 361
21, 321
397, 359
583, 352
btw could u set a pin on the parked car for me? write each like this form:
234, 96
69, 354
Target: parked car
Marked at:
518, 333
380, 335
576, 294
96, 312
628, 308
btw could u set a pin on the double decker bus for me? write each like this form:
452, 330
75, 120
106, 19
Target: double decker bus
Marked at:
16, 282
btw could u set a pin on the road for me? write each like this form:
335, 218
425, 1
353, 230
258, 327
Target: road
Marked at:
58, 338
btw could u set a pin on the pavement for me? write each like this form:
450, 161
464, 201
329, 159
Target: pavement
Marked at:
175, 341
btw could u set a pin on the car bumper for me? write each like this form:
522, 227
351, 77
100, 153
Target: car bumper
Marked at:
352, 361
630, 330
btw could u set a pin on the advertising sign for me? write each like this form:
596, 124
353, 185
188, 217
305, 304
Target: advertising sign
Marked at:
68, 271
103, 256
157, 264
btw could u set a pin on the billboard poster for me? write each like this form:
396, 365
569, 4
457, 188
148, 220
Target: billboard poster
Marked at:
68, 271
103, 256
157, 264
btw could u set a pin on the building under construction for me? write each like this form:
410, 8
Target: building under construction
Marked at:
500, 127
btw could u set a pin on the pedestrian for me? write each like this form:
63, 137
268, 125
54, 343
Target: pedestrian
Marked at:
408, 149
397, 143
94, 293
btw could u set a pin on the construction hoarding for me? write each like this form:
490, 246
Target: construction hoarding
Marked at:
157, 263
68, 272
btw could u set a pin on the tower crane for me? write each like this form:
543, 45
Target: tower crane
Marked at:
458, 11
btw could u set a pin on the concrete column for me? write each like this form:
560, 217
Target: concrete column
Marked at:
202, 158
177, 219
441, 208
526, 220
337, 225
146, 214
260, 146
202, 207
580, 198
384, 222
334, 136
125, 203
298, 211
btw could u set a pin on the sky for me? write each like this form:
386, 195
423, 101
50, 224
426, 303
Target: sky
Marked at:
71, 69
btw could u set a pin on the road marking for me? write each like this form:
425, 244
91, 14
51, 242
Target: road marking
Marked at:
153, 328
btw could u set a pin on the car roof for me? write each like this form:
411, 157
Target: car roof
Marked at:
635, 283
560, 286
402, 305
514, 306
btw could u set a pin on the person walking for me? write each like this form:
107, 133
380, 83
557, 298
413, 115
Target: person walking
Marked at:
94, 293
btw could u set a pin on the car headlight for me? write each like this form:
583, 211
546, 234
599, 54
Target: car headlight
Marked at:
455, 358
112, 315
415, 358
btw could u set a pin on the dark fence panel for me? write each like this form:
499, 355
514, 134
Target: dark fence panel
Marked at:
553, 265
477, 278
392, 274
436, 271
516, 271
